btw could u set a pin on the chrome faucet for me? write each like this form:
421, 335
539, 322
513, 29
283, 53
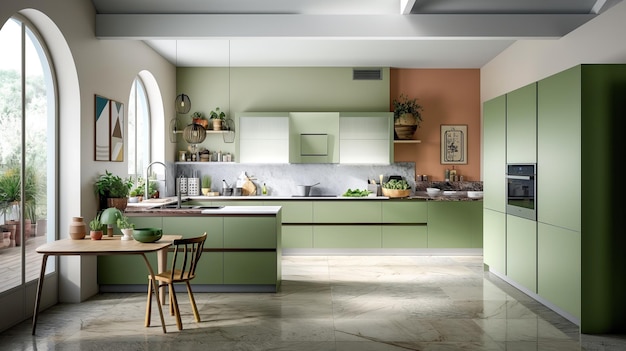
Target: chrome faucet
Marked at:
147, 194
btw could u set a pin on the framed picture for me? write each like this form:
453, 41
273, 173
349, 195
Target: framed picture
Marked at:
101, 139
453, 144
109, 130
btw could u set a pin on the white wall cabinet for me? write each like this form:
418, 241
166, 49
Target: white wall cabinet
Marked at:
365, 138
264, 138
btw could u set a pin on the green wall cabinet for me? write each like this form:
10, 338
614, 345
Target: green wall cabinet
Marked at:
314, 137
521, 251
455, 224
521, 125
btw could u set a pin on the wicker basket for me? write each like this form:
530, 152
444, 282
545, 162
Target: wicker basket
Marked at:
396, 192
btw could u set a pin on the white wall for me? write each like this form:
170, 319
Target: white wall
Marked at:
601, 40
87, 66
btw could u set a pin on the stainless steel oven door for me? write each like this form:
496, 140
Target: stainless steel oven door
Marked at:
521, 191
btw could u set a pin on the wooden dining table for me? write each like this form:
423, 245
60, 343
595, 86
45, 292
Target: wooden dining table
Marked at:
107, 246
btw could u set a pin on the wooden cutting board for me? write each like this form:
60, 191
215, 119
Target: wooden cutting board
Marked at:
248, 188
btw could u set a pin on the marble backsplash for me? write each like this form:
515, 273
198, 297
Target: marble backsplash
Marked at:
283, 179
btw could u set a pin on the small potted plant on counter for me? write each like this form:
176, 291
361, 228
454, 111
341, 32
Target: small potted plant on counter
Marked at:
206, 185
396, 188
95, 228
217, 116
112, 191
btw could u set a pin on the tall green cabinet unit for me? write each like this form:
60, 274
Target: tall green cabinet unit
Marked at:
581, 121
580, 260
494, 184
521, 148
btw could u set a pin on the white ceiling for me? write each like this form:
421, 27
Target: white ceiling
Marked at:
339, 33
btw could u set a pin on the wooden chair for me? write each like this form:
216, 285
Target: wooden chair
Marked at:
187, 253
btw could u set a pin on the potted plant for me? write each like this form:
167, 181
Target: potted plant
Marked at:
112, 191
217, 116
125, 226
95, 228
407, 116
206, 185
198, 118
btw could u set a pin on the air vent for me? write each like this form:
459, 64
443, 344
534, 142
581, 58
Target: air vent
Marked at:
367, 74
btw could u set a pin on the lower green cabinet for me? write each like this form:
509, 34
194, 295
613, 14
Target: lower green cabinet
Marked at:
239, 250
521, 251
494, 240
347, 236
297, 236
455, 224
559, 268
250, 268
405, 236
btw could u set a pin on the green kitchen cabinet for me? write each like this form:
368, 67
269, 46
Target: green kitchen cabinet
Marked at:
133, 266
294, 211
402, 211
405, 236
521, 251
297, 236
347, 211
494, 154
521, 125
559, 144
314, 137
243, 268
250, 232
347, 236
455, 224
559, 269
494, 240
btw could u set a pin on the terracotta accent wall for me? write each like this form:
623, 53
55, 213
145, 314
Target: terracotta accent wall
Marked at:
448, 96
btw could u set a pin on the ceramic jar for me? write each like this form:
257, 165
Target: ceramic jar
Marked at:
78, 229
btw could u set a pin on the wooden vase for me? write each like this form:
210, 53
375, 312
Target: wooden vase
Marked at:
78, 230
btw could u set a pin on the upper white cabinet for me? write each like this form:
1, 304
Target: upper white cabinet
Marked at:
264, 137
366, 137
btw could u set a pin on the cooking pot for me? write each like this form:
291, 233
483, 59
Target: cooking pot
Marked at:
304, 190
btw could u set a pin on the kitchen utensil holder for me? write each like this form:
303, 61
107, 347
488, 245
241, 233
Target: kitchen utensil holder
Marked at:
182, 185
193, 186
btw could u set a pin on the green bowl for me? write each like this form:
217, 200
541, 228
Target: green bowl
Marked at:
147, 235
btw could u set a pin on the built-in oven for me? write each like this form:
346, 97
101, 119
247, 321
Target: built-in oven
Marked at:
521, 182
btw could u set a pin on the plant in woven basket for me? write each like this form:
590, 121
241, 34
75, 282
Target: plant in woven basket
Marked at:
407, 111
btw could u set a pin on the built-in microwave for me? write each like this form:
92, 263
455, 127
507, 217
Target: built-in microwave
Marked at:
521, 182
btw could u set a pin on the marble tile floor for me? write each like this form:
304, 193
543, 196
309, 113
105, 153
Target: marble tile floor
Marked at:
364, 303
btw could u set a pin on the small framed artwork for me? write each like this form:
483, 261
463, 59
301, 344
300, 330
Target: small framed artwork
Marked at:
102, 146
109, 130
453, 144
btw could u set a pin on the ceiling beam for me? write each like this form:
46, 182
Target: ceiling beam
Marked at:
199, 26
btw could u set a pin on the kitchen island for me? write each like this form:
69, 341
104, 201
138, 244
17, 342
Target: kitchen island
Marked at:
241, 254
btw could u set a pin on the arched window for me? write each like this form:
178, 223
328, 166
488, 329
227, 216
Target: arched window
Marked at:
28, 150
138, 130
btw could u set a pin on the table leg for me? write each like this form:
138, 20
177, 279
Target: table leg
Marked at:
162, 267
155, 287
39, 288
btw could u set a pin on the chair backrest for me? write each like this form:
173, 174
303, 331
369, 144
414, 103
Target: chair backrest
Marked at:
187, 253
